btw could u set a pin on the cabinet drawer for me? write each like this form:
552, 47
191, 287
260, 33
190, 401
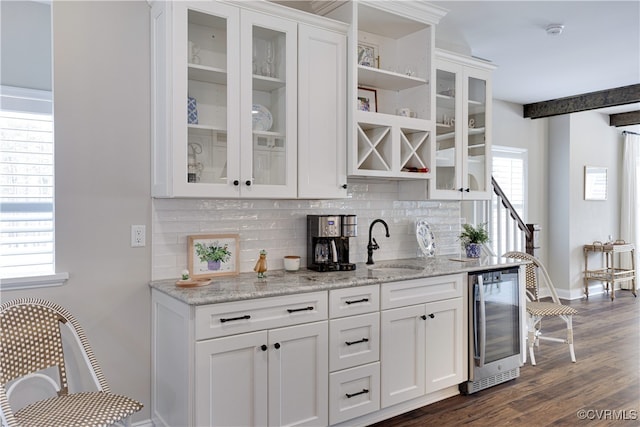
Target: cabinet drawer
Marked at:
352, 301
409, 292
354, 392
354, 341
218, 320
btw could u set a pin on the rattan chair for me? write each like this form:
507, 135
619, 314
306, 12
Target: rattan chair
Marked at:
537, 310
31, 341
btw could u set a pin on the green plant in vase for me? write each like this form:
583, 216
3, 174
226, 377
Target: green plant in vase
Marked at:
473, 237
213, 254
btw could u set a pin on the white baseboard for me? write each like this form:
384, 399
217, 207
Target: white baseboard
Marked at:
594, 289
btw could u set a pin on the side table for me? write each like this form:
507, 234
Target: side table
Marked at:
610, 274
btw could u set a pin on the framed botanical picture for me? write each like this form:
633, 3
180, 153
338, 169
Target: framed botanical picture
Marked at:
212, 255
368, 55
367, 99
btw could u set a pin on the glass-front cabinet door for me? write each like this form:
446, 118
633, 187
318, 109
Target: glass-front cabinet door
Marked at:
268, 155
205, 99
463, 126
478, 175
448, 111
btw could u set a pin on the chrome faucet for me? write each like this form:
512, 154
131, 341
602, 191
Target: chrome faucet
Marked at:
373, 245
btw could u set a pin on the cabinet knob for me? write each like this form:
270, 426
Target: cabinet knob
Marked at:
277, 345
467, 190
263, 347
344, 186
461, 189
423, 317
236, 182
247, 182
432, 315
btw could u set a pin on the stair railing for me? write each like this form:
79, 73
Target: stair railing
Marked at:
508, 230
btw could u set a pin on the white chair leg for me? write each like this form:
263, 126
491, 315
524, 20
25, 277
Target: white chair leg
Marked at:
532, 339
569, 320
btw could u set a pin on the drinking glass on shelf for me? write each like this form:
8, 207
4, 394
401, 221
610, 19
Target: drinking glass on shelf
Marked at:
270, 56
194, 51
255, 56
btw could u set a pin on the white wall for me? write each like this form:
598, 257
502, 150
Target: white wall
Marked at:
510, 129
575, 141
102, 120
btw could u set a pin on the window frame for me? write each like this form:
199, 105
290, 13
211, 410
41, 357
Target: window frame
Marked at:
33, 101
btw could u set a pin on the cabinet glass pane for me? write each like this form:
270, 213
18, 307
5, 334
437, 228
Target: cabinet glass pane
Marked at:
445, 170
269, 106
207, 98
476, 146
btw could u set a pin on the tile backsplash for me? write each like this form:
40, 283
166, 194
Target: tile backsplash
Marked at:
279, 226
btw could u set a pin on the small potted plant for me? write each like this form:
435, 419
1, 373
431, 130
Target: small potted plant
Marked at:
213, 254
473, 237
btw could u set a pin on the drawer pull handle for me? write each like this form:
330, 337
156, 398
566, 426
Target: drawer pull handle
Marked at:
246, 316
293, 310
263, 347
349, 396
356, 301
277, 345
356, 342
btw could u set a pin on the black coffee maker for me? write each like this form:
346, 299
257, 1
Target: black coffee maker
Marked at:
328, 242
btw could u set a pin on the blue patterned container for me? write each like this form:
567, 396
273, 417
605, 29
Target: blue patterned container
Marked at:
192, 111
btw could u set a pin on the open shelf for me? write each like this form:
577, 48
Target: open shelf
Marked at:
389, 80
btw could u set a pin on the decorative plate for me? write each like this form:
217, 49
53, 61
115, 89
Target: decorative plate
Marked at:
262, 119
426, 240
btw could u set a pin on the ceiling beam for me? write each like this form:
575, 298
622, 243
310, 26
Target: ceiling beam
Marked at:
587, 101
625, 119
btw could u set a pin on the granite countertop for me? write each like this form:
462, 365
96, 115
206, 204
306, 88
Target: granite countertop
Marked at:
279, 282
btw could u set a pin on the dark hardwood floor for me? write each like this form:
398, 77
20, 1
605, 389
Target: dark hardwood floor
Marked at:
604, 382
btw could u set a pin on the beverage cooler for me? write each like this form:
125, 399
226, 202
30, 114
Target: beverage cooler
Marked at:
495, 328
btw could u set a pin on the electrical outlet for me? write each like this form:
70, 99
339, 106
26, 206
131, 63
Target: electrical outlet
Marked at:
138, 236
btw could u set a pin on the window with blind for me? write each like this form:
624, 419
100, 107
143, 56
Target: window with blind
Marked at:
509, 171
26, 183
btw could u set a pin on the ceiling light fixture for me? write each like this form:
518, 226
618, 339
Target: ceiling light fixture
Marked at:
554, 29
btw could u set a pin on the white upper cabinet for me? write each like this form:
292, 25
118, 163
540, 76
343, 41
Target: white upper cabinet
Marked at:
462, 152
225, 101
392, 126
322, 112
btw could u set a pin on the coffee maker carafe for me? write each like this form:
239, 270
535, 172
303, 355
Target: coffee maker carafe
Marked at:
328, 242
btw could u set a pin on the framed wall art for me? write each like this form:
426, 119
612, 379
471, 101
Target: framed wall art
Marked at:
212, 255
595, 183
368, 55
367, 99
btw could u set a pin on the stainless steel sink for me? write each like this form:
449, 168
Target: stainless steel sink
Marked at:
393, 269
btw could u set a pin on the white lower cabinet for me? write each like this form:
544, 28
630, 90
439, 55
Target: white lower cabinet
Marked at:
446, 350
423, 346
403, 354
354, 392
276, 377
259, 362
298, 372
354, 352
231, 381
345, 356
